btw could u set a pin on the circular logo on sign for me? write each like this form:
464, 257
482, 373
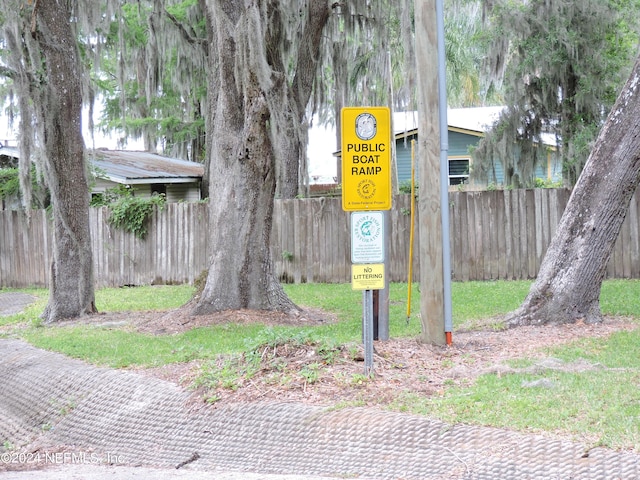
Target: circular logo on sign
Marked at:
366, 126
368, 229
366, 189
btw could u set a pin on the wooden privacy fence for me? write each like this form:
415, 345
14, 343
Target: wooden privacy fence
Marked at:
493, 235
173, 252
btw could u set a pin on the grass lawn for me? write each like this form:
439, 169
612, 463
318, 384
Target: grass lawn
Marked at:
602, 404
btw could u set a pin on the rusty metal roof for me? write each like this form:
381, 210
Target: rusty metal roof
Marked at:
136, 167
13, 152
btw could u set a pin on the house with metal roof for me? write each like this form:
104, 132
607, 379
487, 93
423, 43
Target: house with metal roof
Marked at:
9, 156
146, 173
143, 172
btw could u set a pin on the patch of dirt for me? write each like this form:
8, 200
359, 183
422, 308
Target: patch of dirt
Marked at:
319, 375
182, 319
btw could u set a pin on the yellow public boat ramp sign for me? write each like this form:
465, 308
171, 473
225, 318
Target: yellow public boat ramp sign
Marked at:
366, 158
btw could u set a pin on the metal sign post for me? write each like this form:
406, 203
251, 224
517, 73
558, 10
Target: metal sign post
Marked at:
366, 189
367, 328
367, 277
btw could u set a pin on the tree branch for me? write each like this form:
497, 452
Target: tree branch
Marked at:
188, 36
34, 14
7, 72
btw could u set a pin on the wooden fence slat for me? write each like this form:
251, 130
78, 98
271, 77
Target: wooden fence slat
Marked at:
515, 234
484, 217
624, 237
501, 243
508, 234
5, 258
537, 208
451, 237
24, 245
634, 231
480, 232
494, 255
473, 252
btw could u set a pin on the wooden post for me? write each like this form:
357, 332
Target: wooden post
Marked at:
428, 157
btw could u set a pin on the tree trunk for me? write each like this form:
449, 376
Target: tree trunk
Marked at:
242, 167
59, 111
567, 288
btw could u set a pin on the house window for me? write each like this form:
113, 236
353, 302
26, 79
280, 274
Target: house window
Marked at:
159, 188
458, 171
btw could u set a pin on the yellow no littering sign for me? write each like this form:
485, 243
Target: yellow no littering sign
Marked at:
367, 276
366, 158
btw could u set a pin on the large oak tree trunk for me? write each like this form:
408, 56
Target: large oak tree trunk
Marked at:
567, 288
59, 109
242, 166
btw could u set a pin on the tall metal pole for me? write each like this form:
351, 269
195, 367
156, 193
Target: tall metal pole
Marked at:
444, 174
430, 221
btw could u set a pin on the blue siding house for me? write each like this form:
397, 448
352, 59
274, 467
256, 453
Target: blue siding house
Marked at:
466, 126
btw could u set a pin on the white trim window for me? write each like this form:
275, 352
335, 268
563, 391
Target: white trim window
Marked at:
459, 170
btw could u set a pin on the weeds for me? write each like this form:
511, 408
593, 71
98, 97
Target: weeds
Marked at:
285, 359
229, 372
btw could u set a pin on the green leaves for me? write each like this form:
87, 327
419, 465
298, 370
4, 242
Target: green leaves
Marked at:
564, 63
128, 212
9, 182
131, 213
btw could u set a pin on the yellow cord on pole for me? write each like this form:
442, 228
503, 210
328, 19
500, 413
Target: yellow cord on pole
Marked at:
411, 228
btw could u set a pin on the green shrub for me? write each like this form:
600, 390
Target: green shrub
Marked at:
547, 183
131, 213
9, 182
405, 187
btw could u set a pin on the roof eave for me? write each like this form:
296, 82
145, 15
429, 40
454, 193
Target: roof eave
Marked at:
150, 180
